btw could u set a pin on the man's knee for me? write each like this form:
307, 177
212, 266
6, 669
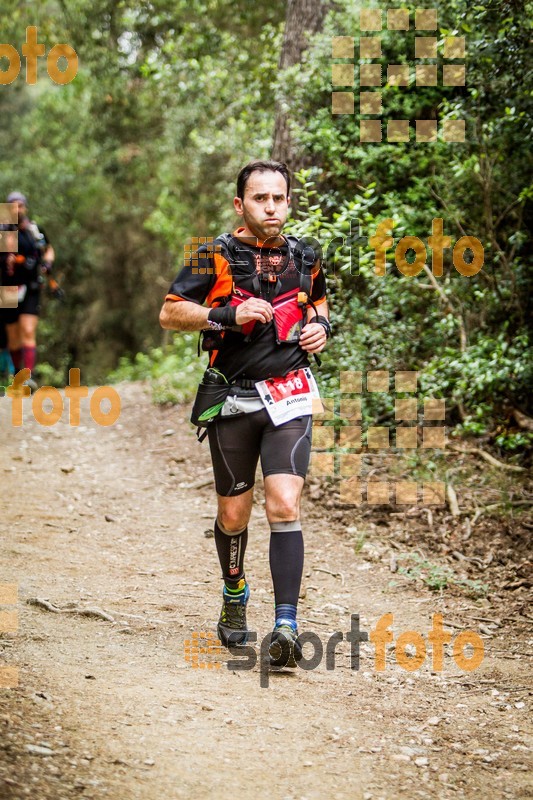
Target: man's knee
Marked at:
283, 493
27, 334
232, 519
283, 507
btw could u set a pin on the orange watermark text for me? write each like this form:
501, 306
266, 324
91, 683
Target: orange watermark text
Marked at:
49, 395
32, 50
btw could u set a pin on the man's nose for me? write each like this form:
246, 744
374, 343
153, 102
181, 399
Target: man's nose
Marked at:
270, 205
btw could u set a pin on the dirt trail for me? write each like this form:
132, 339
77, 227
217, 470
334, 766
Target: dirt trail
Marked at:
115, 518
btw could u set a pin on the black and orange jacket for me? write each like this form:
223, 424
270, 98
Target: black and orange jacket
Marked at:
228, 267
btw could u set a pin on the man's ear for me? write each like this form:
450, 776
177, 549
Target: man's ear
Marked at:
289, 200
237, 205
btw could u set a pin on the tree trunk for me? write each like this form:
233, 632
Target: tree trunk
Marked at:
304, 18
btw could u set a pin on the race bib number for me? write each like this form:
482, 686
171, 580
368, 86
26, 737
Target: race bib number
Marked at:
289, 397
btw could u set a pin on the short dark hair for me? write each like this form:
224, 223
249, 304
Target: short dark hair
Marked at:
261, 166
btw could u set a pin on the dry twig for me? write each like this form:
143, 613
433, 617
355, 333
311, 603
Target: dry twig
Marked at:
452, 500
329, 572
487, 456
95, 613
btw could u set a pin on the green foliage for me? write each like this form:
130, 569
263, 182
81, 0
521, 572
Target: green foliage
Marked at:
437, 578
173, 371
468, 337
358, 543
491, 375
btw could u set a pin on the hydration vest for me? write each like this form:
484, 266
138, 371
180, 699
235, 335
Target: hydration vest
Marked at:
290, 308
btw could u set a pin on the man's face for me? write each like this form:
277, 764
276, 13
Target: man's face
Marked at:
265, 206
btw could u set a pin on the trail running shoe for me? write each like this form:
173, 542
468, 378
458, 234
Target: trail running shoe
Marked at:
285, 648
232, 630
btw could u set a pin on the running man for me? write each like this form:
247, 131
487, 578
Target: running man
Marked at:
265, 312
25, 269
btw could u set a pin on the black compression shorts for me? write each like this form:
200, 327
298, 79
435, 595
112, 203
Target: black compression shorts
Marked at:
30, 305
236, 445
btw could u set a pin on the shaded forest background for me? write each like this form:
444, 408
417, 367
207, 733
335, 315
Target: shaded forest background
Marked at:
140, 152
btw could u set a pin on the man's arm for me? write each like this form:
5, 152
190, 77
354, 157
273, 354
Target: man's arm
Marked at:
183, 315
322, 310
313, 337
49, 254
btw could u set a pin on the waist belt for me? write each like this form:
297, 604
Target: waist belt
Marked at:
244, 383
243, 387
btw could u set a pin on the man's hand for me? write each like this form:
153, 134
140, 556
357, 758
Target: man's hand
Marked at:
254, 308
313, 337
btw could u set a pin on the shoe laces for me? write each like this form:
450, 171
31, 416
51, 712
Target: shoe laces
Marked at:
234, 609
233, 615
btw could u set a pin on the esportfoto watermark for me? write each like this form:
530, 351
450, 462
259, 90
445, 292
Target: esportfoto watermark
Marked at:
382, 241
410, 649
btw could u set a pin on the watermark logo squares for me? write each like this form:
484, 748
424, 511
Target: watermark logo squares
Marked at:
8, 244
332, 450
9, 675
8, 228
200, 649
201, 262
422, 70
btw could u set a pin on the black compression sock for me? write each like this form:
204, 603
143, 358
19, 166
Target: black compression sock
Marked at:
286, 561
231, 548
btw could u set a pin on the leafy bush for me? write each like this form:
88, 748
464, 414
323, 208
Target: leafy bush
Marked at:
173, 371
